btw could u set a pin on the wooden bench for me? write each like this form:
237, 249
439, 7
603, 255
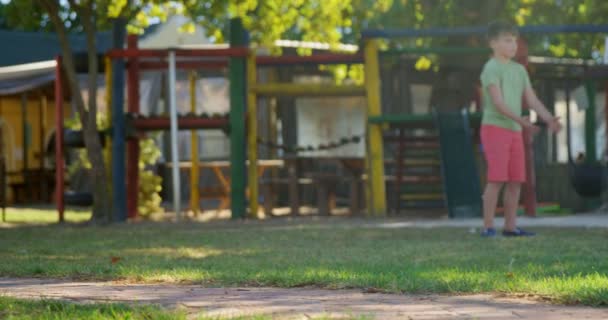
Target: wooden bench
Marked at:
325, 186
269, 192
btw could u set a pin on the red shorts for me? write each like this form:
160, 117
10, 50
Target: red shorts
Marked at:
504, 153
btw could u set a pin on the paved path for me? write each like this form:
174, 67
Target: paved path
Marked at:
301, 303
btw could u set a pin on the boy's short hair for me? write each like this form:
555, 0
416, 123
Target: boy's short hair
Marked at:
497, 28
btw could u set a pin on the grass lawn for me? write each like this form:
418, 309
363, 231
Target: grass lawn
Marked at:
564, 265
43, 215
48, 309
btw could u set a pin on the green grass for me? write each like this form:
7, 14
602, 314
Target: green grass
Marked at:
564, 265
43, 215
20, 309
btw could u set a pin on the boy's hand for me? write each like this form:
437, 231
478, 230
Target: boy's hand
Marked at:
527, 125
554, 125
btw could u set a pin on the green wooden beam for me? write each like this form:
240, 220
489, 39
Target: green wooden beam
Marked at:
398, 119
238, 38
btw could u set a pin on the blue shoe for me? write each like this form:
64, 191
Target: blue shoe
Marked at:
518, 233
488, 233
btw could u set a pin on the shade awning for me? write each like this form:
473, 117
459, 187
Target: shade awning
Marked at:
25, 77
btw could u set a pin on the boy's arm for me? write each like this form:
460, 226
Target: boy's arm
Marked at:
502, 108
535, 104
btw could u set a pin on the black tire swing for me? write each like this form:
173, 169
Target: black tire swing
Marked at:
587, 178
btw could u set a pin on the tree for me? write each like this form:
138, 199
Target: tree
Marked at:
454, 13
87, 13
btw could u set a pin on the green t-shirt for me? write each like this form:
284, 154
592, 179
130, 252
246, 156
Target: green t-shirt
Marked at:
512, 79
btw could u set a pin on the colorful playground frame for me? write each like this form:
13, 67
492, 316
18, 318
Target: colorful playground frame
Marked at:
242, 65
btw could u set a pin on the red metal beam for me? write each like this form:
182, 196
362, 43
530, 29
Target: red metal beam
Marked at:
59, 169
184, 123
325, 58
529, 187
187, 65
163, 53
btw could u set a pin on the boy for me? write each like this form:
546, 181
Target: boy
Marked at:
504, 83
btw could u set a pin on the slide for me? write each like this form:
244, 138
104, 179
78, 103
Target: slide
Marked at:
458, 165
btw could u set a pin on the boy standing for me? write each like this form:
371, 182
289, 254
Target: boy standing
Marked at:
504, 84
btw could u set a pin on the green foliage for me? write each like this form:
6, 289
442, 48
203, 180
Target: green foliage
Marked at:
453, 13
340, 20
150, 184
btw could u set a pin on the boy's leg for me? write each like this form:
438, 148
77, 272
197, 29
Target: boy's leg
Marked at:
511, 204
517, 175
490, 200
496, 145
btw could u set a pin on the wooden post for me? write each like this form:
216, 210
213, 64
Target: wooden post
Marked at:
43, 129
118, 174
108, 97
269, 196
2, 171
400, 170
26, 146
529, 188
237, 121
252, 136
133, 143
293, 190
375, 153
59, 168
194, 155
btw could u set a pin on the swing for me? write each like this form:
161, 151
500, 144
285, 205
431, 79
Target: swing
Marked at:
587, 178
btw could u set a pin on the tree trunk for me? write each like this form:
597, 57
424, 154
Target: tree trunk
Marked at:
87, 116
98, 174
101, 194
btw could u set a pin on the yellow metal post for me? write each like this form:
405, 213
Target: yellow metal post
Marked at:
43, 121
252, 135
194, 155
375, 153
108, 98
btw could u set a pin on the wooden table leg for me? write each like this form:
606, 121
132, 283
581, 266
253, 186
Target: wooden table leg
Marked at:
294, 196
268, 199
266, 193
225, 183
322, 199
354, 196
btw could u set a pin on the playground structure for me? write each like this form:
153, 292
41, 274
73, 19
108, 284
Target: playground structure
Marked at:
242, 66
241, 124
587, 179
